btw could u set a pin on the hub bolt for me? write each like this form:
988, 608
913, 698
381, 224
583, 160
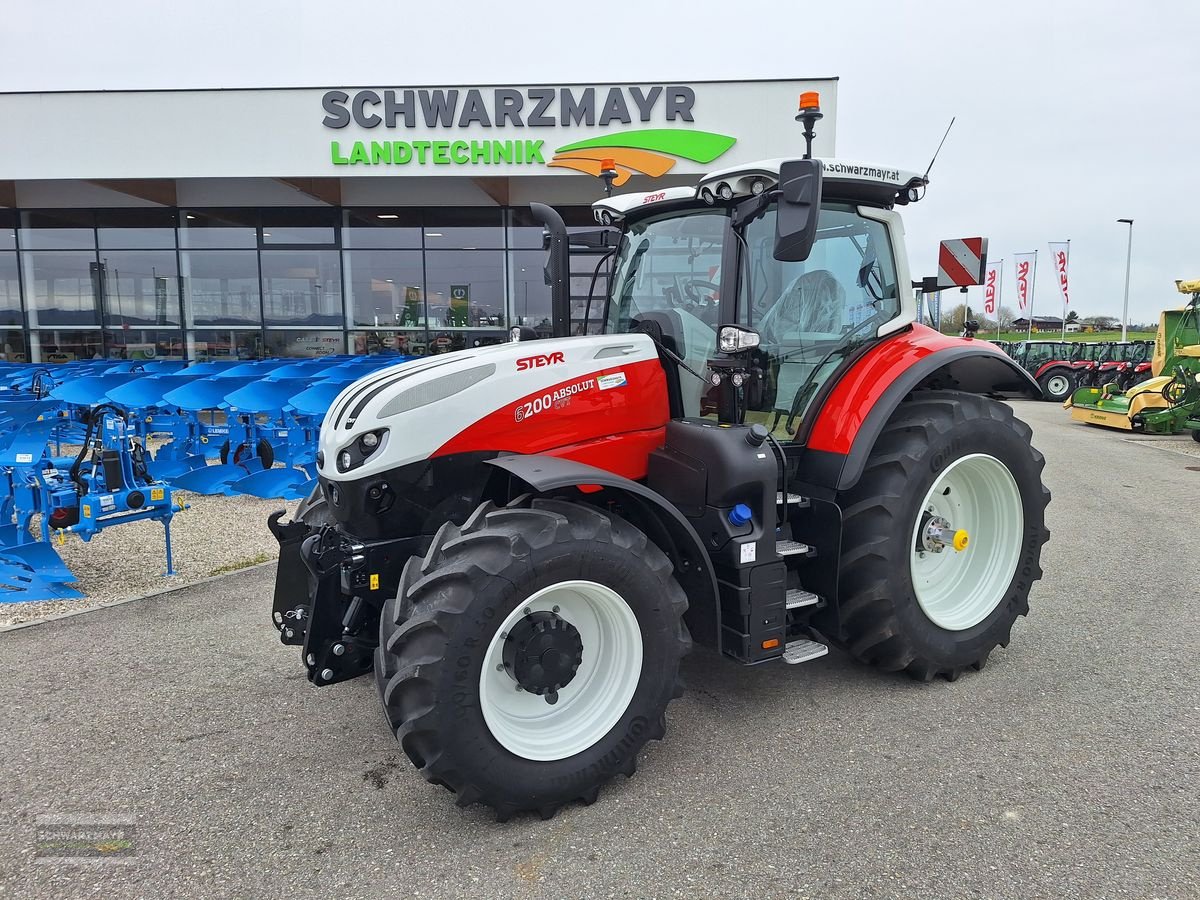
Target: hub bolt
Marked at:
327, 674
310, 659
338, 649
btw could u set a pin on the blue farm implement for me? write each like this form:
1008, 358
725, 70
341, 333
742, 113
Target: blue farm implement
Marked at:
220, 427
105, 483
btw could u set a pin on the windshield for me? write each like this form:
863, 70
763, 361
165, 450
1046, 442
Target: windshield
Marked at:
810, 314
669, 264
813, 314
668, 269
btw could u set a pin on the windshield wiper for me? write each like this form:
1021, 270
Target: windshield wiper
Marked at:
843, 347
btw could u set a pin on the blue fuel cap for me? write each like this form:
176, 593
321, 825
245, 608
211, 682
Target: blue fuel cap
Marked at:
740, 515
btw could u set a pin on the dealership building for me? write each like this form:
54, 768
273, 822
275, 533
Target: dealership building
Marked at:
306, 222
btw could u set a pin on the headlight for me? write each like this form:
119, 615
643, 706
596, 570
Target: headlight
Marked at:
367, 445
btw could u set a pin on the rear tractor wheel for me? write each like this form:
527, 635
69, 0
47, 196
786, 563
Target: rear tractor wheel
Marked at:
531, 654
942, 536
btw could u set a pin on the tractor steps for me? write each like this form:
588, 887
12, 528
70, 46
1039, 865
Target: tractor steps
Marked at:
803, 650
793, 548
797, 598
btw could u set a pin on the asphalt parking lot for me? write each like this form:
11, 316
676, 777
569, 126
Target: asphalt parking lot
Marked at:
1069, 767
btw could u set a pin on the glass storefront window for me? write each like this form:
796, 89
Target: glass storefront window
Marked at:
302, 287
464, 289
463, 229
136, 229
224, 343
8, 230
10, 290
61, 287
384, 288
65, 345
526, 234
145, 343
12, 345
65, 229
530, 293
140, 287
299, 226
409, 342
220, 287
218, 228
304, 344
386, 228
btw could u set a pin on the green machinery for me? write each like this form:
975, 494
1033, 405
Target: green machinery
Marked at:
1167, 403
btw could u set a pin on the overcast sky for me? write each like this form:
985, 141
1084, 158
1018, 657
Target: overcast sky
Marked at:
1070, 114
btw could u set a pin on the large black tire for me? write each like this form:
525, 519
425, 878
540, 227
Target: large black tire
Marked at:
1057, 385
884, 624
434, 637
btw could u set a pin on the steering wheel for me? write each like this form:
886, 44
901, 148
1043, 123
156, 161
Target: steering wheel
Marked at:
699, 304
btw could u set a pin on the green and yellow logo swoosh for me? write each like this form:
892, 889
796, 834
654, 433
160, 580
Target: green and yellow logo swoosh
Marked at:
648, 151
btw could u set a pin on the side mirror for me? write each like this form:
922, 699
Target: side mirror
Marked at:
799, 209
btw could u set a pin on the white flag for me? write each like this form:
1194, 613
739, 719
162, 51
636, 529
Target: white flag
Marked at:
1026, 271
1060, 254
991, 286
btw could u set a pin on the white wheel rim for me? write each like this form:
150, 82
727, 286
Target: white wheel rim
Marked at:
1057, 384
959, 589
592, 702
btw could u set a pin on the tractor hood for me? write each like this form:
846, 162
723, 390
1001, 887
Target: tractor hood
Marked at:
506, 397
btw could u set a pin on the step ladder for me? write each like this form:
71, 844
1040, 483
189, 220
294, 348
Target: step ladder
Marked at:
792, 548
802, 651
797, 598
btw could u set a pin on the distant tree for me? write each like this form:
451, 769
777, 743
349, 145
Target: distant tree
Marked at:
952, 318
1102, 323
1072, 316
1005, 316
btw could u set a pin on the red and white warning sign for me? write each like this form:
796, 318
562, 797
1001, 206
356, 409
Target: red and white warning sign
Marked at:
961, 262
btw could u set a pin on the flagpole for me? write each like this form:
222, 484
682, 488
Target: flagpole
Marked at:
1032, 285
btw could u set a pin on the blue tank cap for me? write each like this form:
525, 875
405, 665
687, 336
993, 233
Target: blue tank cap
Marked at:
740, 515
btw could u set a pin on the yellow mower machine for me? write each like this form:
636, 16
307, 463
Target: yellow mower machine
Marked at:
1168, 402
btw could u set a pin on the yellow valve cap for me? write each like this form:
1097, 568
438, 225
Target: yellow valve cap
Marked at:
961, 539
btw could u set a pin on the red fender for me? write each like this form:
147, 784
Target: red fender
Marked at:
860, 403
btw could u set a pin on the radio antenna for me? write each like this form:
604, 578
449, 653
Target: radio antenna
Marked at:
925, 177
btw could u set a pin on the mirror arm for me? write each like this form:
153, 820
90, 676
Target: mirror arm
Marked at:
751, 208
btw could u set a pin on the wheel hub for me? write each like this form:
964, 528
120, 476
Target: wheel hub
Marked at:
542, 652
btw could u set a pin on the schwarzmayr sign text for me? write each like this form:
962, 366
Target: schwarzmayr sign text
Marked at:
448, 110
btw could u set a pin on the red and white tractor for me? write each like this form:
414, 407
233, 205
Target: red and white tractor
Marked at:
762, 452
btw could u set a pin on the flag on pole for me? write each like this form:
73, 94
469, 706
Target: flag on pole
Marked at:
991, 286
1026, 270
1060, 253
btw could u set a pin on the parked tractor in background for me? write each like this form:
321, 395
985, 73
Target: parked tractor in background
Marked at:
1050, 364
1168, 402
524, 540
1085, 356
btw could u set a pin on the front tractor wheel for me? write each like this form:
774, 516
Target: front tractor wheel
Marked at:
1057, 385
531, 654
942, 536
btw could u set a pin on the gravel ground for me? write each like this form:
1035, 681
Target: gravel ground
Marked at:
1177, 444
215, 535
1068, 768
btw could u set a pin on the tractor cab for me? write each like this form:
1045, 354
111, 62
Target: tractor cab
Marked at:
786, 267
